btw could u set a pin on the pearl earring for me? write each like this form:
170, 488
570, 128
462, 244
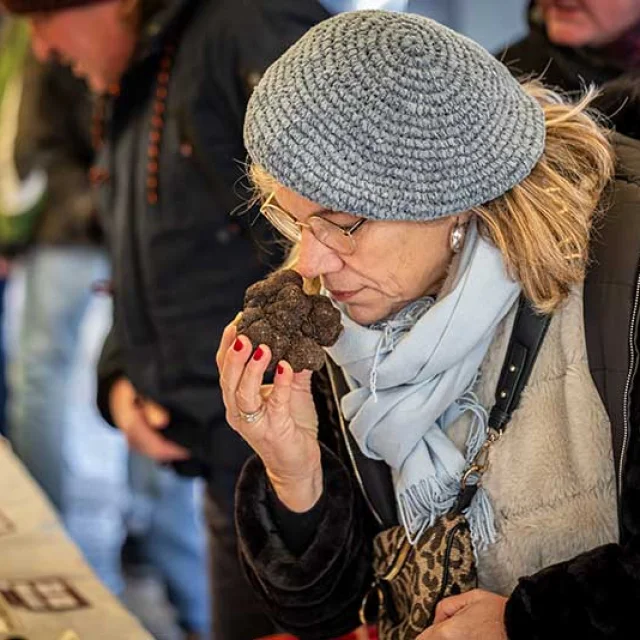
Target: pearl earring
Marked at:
456, 239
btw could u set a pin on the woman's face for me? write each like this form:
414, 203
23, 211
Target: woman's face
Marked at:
577, 23
393, 263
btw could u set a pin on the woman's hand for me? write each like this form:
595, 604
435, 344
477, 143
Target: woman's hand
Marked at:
474, 615
285, 432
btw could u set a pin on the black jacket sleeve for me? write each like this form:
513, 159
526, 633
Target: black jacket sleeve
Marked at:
595, 595
297, 530
316, 594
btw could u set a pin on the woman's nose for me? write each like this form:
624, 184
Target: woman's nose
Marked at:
314, 258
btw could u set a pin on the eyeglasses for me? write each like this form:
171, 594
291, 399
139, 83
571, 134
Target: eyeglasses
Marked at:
337, 237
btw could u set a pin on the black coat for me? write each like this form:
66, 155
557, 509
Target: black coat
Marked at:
313, 569
182, 264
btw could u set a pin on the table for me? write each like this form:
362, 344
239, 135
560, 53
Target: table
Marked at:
47, 590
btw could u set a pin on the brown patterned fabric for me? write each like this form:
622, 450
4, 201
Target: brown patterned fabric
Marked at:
23, 7
411, 580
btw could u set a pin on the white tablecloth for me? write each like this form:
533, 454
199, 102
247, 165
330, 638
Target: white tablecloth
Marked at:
47, 590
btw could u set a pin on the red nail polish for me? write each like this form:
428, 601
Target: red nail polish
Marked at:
280, 369
237, 345
258, 354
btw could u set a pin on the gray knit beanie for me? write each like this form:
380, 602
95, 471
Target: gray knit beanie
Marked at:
392, 116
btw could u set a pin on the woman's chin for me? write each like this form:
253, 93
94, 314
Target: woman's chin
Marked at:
363, 314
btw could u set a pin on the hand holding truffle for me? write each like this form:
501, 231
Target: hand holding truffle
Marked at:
295, 326
279, 420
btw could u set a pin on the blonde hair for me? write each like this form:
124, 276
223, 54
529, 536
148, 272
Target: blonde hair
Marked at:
542, 226
264, 184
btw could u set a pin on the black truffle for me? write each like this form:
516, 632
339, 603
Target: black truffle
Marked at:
294, 325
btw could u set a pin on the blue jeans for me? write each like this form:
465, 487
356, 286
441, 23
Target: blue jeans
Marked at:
167, 516
3, 385
82, 464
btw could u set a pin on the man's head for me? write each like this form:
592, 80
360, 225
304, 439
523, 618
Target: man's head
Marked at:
595, 23
95, 37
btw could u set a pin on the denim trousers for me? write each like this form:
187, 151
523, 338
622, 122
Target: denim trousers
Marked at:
3, 384
82, 464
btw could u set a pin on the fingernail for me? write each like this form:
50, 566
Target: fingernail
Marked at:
258, 354
237, 345
280, 369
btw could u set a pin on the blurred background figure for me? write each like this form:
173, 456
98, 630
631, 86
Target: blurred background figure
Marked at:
20, 201
83, 465
572, 43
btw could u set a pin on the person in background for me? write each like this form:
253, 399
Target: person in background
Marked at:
175, 76
585, 42
449, 200
83, 466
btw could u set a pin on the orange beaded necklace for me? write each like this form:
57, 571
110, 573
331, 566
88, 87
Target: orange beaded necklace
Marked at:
100, 175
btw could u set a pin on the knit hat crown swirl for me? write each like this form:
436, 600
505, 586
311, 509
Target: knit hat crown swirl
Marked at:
392, 116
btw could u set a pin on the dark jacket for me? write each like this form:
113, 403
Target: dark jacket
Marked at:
314, 588
181, 264
54, 134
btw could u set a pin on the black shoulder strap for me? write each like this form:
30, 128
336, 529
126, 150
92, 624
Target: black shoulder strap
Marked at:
529, 329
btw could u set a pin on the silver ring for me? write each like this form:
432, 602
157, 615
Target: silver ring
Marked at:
252, 416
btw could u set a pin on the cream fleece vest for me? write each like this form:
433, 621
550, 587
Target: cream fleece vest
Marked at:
551, 477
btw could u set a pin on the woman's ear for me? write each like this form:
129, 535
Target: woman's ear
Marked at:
458, 231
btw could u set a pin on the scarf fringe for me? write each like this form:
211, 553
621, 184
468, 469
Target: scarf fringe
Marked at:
477, 436
481, 518
422, 503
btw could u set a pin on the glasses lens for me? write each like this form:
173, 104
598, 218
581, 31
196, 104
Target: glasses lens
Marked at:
332, 236
281, 222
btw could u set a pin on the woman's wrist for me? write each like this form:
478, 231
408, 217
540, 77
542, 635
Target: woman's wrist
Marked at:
300, 494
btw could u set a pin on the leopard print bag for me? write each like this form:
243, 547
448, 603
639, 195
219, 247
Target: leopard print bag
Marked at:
410, 580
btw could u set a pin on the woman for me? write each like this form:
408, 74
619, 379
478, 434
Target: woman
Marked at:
426, 191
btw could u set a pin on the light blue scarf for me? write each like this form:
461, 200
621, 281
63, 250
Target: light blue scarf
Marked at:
406, 392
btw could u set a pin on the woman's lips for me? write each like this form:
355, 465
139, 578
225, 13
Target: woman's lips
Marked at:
342, 296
